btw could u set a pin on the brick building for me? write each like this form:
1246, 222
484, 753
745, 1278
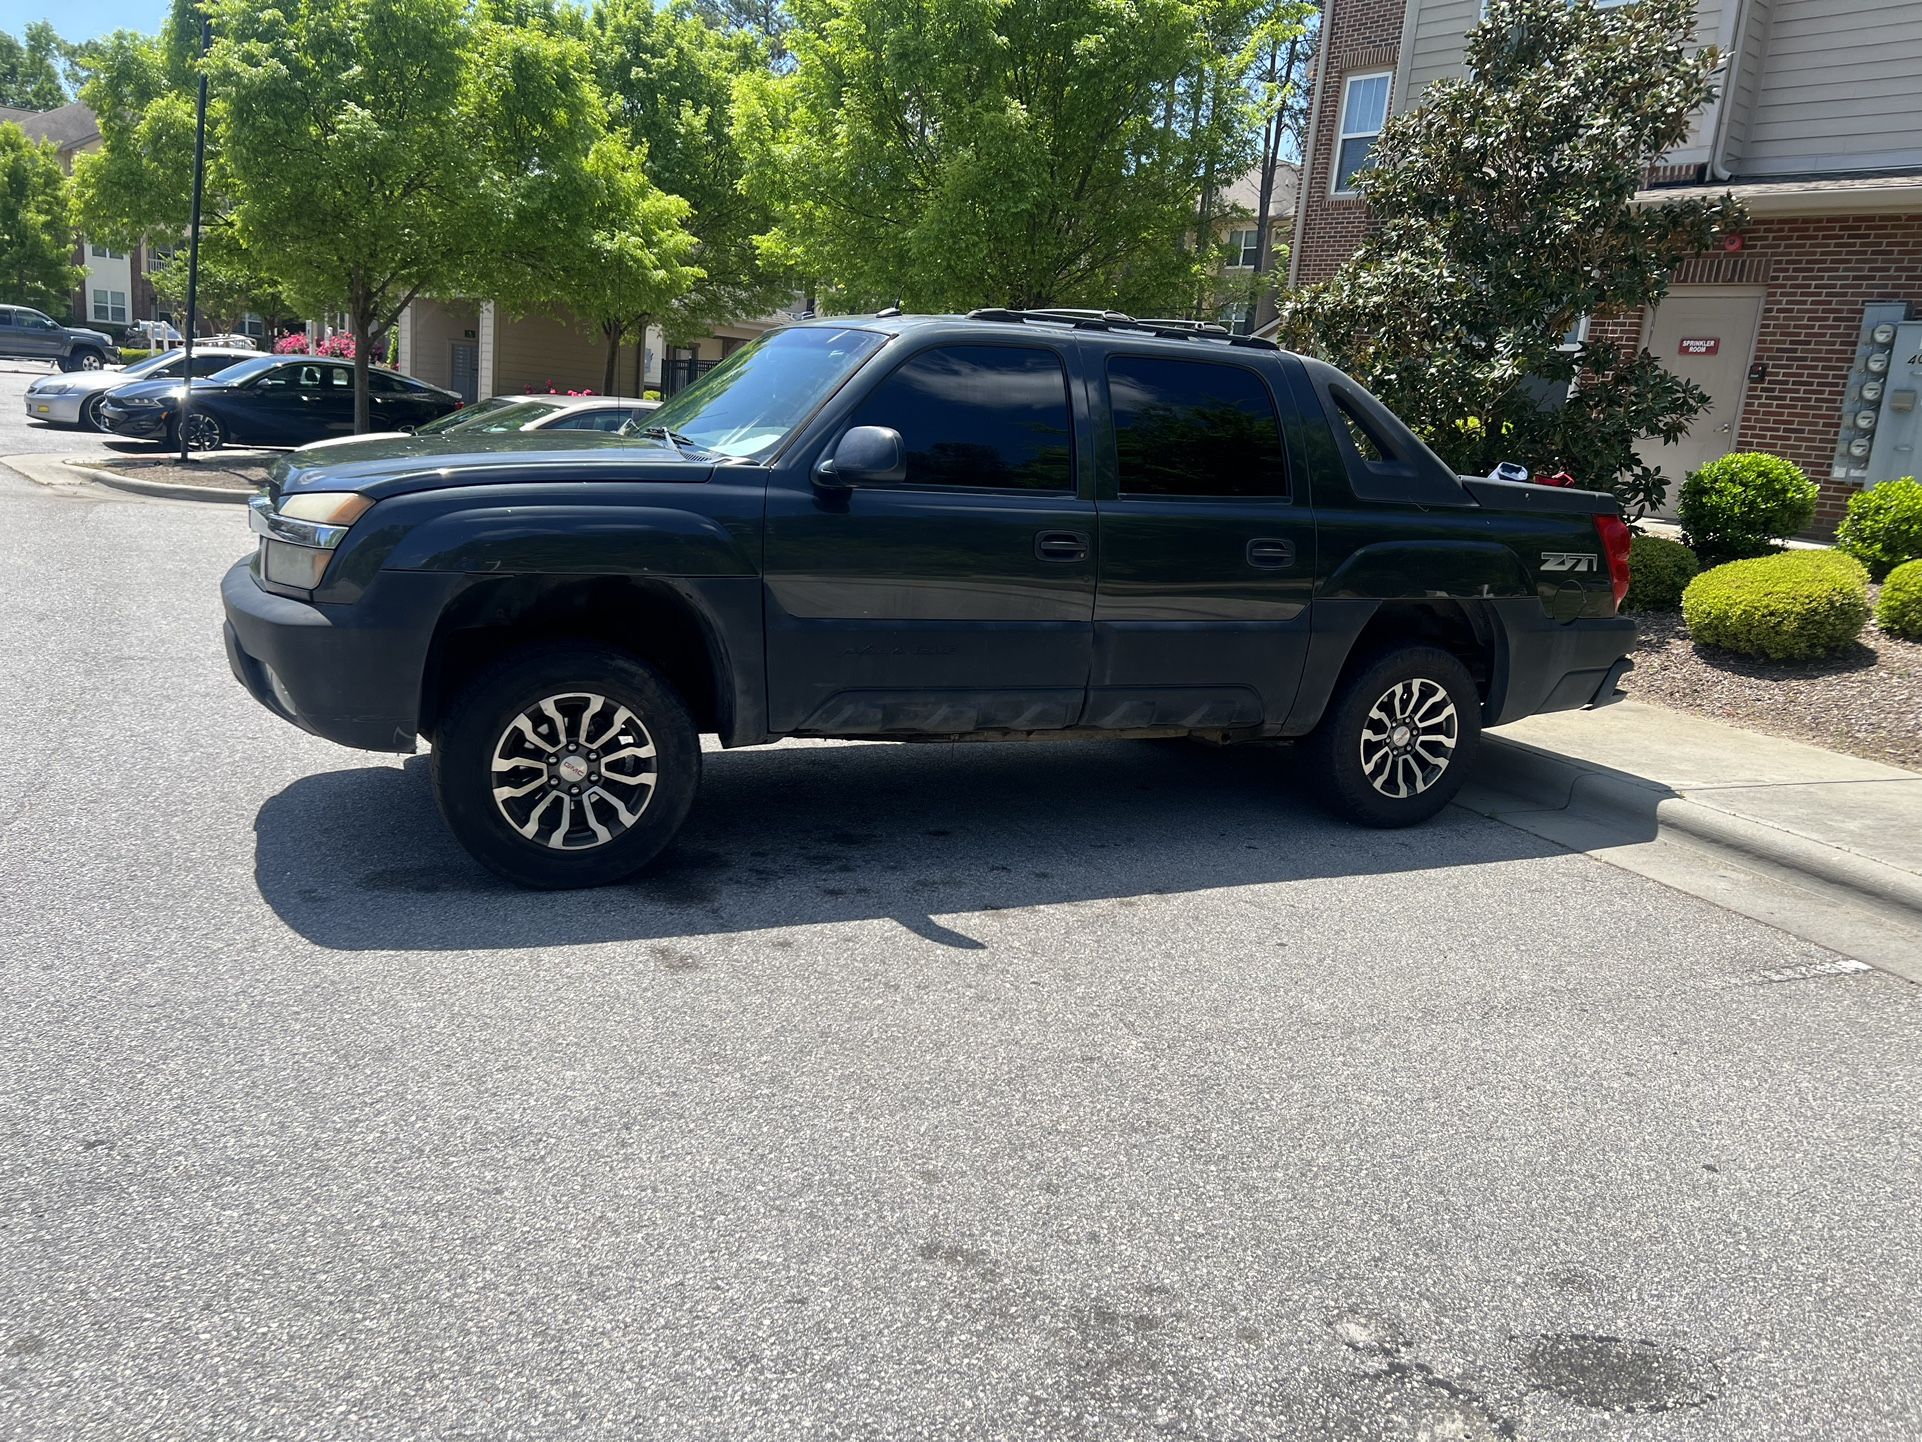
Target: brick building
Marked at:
1807, 335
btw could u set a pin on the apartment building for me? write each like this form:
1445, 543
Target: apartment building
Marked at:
1806, 330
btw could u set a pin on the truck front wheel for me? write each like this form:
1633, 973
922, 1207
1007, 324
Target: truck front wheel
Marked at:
571, 765
1398, 738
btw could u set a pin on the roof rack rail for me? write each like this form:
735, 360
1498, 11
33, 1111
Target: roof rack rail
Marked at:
1114, 320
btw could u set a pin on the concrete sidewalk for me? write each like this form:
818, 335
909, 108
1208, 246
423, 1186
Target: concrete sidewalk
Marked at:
1825, 846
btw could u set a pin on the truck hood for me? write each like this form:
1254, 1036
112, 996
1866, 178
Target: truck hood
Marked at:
394, 465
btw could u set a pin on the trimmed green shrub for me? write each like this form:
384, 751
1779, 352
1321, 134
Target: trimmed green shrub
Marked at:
131, 353
1883, 527
1658, 571
1743, 503
1795, 606
1899, 612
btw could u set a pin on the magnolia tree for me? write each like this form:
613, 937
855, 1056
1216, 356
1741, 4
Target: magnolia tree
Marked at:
1504, 209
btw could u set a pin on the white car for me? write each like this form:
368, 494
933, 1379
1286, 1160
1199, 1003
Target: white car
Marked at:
501, 414
73, 398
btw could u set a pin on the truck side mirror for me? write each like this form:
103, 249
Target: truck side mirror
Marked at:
865, 456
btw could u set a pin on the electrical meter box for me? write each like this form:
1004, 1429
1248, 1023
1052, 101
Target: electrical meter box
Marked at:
1898, 420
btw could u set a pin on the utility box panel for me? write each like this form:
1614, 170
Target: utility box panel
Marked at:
1898, 418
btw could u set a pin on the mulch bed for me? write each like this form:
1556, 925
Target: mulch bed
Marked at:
241, 473
1867, 701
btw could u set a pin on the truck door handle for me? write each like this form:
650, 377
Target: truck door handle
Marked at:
1060, 546
1270, 554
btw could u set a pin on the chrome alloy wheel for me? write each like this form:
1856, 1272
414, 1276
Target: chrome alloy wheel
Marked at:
574, 771
90, 361
1409, 738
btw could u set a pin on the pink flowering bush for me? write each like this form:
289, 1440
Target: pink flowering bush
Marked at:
553, 390
340, 344
292, 343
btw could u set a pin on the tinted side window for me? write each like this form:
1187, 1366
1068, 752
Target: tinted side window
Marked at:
979, 415
590, 421
1192, 428
204, 365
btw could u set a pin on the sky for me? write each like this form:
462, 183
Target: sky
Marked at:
84, 19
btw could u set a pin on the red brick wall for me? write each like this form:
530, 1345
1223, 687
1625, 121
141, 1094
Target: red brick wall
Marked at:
1357, 35
1820, 271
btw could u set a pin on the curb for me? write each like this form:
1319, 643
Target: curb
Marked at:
168, 490
1641, 811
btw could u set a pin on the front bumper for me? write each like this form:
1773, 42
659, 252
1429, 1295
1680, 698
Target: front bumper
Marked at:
59, 410
141, 423
347, 673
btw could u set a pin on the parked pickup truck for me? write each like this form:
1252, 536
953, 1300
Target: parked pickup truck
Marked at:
1012, 525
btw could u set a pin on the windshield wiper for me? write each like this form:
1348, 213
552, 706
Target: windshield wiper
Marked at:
674, 439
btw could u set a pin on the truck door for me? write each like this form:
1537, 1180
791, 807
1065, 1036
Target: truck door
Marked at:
961, 597
1207, 550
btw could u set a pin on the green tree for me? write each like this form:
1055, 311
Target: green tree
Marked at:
1504, 211
30, 71
624, 259
374, 150
1041, 152
669, 79
36, 224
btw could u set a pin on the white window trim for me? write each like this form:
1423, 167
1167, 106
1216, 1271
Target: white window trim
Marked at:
1343, 134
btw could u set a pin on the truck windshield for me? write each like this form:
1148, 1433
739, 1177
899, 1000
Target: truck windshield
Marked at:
751, 401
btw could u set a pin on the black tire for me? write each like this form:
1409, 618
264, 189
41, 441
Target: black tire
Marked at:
83, 358
90, 413
1357, 758
481, 726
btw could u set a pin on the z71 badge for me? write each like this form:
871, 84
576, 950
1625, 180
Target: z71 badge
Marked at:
1568, 561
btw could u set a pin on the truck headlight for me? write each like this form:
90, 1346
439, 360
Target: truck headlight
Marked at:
300, 534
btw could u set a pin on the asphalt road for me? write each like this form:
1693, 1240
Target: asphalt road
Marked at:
20, 436
997, 1092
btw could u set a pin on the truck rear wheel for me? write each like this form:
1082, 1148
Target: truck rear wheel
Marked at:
1398, 739
571, 765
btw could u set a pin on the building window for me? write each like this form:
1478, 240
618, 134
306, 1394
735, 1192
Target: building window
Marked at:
110, 306
1243, 248
253, 325
101, 252
1364, 108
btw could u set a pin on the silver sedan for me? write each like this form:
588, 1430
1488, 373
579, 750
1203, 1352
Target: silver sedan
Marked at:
72, 398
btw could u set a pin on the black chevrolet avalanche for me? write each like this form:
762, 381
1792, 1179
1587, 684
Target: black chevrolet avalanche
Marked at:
1005, 525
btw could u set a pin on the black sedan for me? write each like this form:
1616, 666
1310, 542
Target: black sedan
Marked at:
271, 400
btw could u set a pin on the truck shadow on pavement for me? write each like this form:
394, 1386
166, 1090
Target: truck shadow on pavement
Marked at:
793, 836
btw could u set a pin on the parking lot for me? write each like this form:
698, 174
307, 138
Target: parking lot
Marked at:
1017, 1091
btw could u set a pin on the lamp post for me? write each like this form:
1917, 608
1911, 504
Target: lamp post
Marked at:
193, 240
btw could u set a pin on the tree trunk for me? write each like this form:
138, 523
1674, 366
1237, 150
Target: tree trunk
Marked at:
610, 377
363, 346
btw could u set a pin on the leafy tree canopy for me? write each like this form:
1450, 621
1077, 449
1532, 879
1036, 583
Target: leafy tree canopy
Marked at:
30, 68
669, 78
377, 149
1504, 210
952, 153
36, 225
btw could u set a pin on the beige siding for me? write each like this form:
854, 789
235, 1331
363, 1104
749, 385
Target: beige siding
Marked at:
536, 352
1437, 31
1838, 89
1748, 50
434, 329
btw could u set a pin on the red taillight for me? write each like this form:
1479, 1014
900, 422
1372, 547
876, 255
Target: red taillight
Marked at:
1613, 533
